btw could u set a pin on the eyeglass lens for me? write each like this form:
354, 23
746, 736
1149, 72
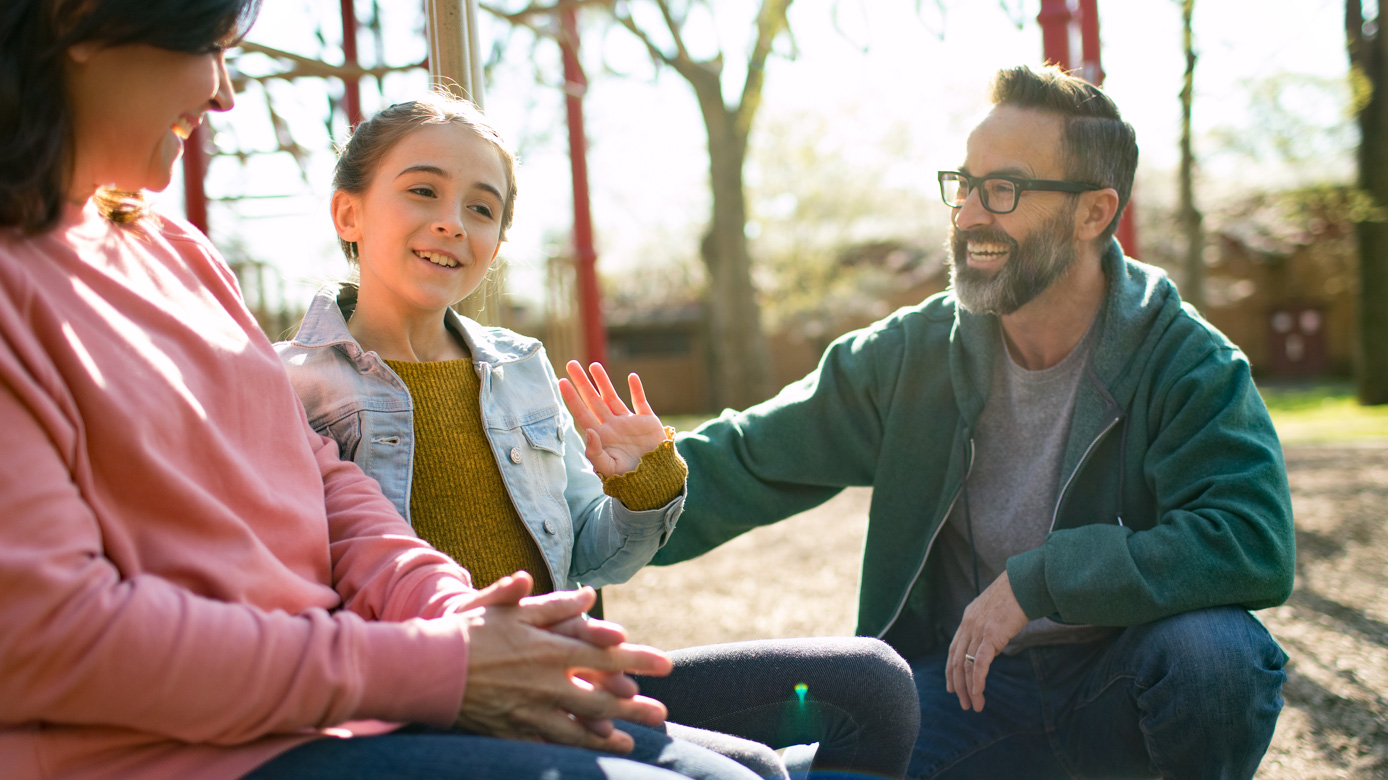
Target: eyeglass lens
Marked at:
997, 194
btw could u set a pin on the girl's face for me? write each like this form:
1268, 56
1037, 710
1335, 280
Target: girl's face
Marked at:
133, 105
429, 224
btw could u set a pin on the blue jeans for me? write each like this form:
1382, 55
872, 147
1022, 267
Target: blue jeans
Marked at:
422, 753
1195, 695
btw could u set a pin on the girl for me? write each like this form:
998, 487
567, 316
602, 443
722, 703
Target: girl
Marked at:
194, 584
464, 428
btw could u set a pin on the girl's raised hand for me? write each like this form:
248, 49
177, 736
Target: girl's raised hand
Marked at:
614, 437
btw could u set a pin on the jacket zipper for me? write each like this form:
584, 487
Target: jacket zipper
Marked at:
931, 545
1083, 459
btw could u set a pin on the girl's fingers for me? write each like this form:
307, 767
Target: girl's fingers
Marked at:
593, 403
638, 395
583, 416
609, 393
592, 450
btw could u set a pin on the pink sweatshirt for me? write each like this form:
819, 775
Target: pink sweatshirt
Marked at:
191, 582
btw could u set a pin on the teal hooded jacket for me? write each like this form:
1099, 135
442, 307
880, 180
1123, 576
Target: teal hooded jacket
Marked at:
1174, 494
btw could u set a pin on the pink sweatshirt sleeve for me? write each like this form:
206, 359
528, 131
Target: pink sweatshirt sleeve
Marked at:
82, 645
382, 570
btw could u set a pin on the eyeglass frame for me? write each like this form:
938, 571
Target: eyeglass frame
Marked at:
1021, 185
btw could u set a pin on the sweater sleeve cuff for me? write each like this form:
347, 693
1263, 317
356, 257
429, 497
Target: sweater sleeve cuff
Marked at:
656, 481
1026, 573
414, 671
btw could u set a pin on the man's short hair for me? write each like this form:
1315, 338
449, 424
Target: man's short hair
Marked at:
1098, 146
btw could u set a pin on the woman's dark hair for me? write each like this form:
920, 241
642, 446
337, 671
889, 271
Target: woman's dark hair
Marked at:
35, 119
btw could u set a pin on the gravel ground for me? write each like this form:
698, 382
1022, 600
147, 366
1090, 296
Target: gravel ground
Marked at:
799, 578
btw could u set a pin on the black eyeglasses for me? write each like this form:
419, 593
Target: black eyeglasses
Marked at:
999, 194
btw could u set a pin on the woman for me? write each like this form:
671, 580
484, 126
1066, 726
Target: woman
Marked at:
194, 584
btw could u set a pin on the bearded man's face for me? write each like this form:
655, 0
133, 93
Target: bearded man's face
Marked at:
1033, 264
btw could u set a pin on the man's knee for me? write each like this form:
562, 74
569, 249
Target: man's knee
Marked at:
1218, 665
1210, 643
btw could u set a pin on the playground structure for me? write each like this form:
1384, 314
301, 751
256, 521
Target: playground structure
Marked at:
453, 59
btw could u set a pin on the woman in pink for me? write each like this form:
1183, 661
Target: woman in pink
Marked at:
191, 583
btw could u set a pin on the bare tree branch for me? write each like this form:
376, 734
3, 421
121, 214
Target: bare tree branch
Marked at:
525, 16
301, 67
676, 28
770, 23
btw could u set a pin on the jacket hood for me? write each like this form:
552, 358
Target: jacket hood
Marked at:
1138, 297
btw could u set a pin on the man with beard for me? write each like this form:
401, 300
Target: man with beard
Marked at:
1077, 491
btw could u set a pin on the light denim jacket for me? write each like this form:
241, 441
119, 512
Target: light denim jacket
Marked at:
353, 397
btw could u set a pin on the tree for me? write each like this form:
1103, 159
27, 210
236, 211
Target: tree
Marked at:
741, 359
1368, 59
1191, 221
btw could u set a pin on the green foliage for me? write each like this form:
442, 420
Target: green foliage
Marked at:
1325, 413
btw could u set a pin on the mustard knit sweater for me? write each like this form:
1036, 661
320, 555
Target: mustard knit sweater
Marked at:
459, 503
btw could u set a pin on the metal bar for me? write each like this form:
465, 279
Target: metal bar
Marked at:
1055, 19
194, 171
589, 296
351, 85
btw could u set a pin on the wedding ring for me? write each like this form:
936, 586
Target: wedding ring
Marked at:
970, 658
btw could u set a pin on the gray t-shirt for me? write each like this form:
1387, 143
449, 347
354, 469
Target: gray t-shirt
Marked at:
1019, 445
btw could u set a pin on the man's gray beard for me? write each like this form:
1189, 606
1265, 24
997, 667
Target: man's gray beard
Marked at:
1031, 267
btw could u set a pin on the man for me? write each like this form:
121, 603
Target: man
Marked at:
1078, 493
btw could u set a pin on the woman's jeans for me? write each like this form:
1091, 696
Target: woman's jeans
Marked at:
422, 753
1195, 695
852, 695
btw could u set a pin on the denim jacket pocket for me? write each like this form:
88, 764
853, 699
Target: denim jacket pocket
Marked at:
544, 435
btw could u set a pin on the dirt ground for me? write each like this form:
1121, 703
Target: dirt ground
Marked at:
799, 578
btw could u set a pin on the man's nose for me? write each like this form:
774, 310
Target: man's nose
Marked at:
971, 213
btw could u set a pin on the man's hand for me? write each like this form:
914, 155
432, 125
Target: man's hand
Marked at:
614, 438
538, 670
989, 624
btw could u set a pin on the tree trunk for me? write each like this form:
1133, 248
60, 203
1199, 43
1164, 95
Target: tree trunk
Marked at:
1193, 290
1369, 75
741, 358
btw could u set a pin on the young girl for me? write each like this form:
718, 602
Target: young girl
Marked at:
464, 428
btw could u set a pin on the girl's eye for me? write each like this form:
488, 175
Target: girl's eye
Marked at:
427, 192
484, 210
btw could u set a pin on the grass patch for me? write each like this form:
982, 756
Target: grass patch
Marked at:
1303, 414
1324, 414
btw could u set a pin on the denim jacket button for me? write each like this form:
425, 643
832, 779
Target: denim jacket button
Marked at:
559, 429
515, 455
549, 526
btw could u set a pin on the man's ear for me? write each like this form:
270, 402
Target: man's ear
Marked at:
346, 210
1095, 211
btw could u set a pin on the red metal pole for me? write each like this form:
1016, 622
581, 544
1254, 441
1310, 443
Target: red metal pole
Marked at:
194, 170
351, 86
1090, 69
589, 297
1055, 31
